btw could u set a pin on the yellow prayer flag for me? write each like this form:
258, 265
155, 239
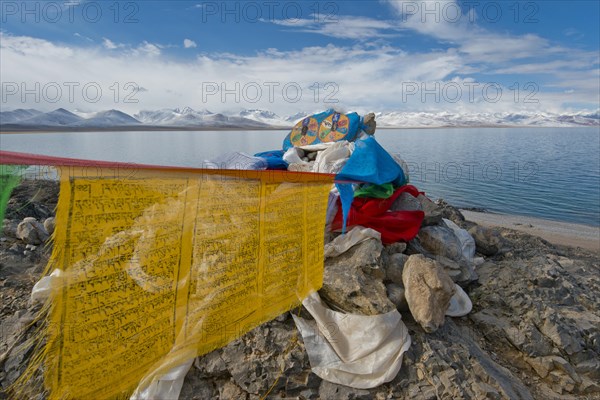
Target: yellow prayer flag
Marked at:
162, 266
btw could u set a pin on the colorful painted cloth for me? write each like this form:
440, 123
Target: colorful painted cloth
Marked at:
325, 127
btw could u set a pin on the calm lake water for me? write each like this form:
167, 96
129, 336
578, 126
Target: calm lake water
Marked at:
552, 173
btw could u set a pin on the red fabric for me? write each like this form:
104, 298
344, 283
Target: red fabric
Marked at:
394, 226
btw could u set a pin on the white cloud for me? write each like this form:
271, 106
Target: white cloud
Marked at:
445, 21
77, 34
144, 48
110, 45
583, 62
147, 49
495, 53
361, 76
189, 43
573, 33
343, 27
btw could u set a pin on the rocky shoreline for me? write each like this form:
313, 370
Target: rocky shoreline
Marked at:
534, 331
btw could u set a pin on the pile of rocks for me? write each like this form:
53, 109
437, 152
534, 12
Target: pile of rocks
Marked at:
534, 331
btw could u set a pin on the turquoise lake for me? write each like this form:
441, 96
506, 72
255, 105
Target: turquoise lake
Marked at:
551, 173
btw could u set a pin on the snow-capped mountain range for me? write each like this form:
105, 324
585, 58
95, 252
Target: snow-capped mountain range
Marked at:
188, 118
446, 119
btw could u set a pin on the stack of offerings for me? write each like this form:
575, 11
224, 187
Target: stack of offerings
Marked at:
369, 181
371, 200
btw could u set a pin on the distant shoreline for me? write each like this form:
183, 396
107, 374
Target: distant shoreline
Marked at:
158, 128
152, 128
485, 126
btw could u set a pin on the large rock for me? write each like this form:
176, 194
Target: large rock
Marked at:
428, 290
31, 231
406, 202
450, 212
461, 273
441, 242
353, 281
258, 359
488, 240
415, 247
393, 267
433, 213
369, 124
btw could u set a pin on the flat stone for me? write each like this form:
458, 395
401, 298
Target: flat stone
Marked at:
450, 212
560, 334
212, 364
406, 202
461, 273
488, 241
231, 391
541, 365
329, 390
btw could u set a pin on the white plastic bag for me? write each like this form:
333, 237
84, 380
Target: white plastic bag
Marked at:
167, 387
332, 208
41, 290
291, 156
360, 351
237, 160
467, 242
332, 159
343, 243
460, 303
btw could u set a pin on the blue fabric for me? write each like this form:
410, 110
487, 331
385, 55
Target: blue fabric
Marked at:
372, 164
346, 197
354, 128
273, 158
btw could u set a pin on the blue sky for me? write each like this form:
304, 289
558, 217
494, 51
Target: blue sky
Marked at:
290, 56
